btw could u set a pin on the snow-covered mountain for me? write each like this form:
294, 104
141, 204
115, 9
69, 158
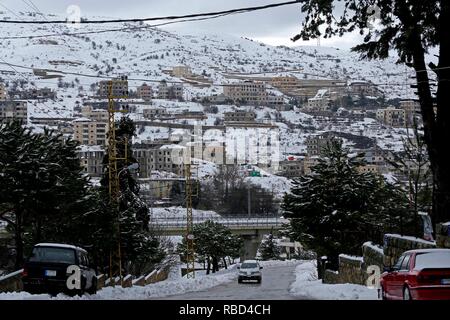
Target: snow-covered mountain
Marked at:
143, 53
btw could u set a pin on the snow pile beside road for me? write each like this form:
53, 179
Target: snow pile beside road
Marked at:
156, 290
307, 286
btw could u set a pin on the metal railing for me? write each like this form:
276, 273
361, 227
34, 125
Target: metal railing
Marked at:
233, 222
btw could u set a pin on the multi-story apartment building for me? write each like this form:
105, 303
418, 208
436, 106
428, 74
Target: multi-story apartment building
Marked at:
285, 83
247, 92
90, 132
316, 144
309, 163
320, 102
91, 159
167, 92
239, 116
394, 117
94, 114
154, 157
291, 168
412, 109
145, 92
364, 87
181, 71
13, 109
156, 112
119, 87
3, 92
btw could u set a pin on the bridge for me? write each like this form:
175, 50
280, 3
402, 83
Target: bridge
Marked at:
250, 228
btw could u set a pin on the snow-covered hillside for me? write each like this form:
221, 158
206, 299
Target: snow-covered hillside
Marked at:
144, 53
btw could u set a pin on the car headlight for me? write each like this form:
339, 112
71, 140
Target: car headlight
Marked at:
255, 272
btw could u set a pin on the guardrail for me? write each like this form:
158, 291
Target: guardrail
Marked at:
240, 222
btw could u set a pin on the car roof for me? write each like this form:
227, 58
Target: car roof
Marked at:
428, 250
250, 261
60, 245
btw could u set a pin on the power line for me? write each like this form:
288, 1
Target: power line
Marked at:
133, 28
174, 17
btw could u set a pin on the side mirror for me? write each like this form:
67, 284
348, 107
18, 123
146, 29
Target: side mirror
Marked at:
238, 267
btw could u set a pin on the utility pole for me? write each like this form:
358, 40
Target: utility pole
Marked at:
190, 250
115, 258
249, 202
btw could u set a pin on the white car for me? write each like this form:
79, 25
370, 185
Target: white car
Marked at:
249, 270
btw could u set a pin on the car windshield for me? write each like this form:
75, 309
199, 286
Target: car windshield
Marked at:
49, 254
249, 265
432, 260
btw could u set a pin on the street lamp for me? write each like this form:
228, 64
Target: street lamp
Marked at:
133, 166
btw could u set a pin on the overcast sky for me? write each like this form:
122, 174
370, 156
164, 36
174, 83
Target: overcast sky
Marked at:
273, 26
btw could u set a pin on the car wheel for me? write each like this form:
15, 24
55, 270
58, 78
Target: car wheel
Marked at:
383, 294
406, 293
239, 280
259, 280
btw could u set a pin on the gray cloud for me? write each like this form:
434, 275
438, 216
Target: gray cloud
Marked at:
275, 26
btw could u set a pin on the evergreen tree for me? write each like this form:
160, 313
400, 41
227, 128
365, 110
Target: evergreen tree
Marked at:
139, 248
41, 185
411, 28
213, 242
336, 208
269, 249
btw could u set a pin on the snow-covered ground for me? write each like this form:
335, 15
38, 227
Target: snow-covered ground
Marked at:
307, 286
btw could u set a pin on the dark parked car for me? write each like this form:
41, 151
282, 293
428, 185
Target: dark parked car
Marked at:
418, 275
46, 270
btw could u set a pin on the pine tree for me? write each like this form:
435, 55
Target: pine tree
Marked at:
269, 249
41, 185
213, 242
410, 28
139, 248
336, 208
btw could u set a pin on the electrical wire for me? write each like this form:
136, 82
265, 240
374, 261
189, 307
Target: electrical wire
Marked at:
174, 17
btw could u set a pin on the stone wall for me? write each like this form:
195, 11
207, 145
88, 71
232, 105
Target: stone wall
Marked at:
11, 282
352, 269
443, 235
394, 246
373, 255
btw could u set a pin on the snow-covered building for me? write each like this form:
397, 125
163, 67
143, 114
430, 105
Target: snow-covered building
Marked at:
247, 92
366, 88
3, 92
320, 102
167, 92
394, 117
239, 116
315, 144
119, 87
10, 110
91, 159
90, 132
145, 92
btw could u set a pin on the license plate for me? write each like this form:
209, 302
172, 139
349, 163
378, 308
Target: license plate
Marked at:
445, 281
50, 273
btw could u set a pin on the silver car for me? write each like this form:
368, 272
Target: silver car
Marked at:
249, 270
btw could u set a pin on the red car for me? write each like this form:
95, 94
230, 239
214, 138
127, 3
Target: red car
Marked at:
418, 275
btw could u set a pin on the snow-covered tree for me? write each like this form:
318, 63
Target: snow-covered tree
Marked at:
213, 242
269, 249
336, 208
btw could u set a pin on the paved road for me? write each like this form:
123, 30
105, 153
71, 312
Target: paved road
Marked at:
275, 286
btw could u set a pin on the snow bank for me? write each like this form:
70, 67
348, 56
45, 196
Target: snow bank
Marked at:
307, 286
175, 285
